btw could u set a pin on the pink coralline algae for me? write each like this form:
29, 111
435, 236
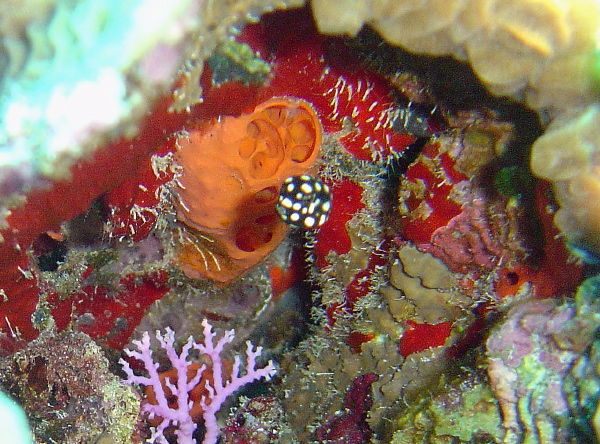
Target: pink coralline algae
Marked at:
219, 389
467, 241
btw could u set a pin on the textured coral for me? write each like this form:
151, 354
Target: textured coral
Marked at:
582, 383
517, 48
464, 412
320, 372
423, 295
529, 356
407, 336
567, 154
467, 240
229, 183
78, 75
68, 392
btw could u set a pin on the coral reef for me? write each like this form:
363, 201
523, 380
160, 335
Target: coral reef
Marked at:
417, 324
423, 294
107, 167
541, 52
521, 48
439, 241
323, 367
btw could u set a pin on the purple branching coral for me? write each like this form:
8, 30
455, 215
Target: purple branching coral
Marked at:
219, 390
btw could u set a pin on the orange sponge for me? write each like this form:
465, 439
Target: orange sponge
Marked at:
229, 183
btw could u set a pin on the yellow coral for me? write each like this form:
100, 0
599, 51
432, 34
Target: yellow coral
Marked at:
569, 155
538, 49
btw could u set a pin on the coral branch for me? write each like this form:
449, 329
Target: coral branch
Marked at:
178, 414
221, 390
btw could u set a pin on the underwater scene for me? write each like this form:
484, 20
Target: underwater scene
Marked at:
289, 222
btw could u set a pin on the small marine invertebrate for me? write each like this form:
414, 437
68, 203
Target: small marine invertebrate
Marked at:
219, 389
229, 181
304, 202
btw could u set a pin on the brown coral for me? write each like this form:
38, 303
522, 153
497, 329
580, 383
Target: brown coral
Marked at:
229, 183
64, 384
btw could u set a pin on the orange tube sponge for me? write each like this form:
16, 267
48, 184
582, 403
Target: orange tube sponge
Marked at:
229, 184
